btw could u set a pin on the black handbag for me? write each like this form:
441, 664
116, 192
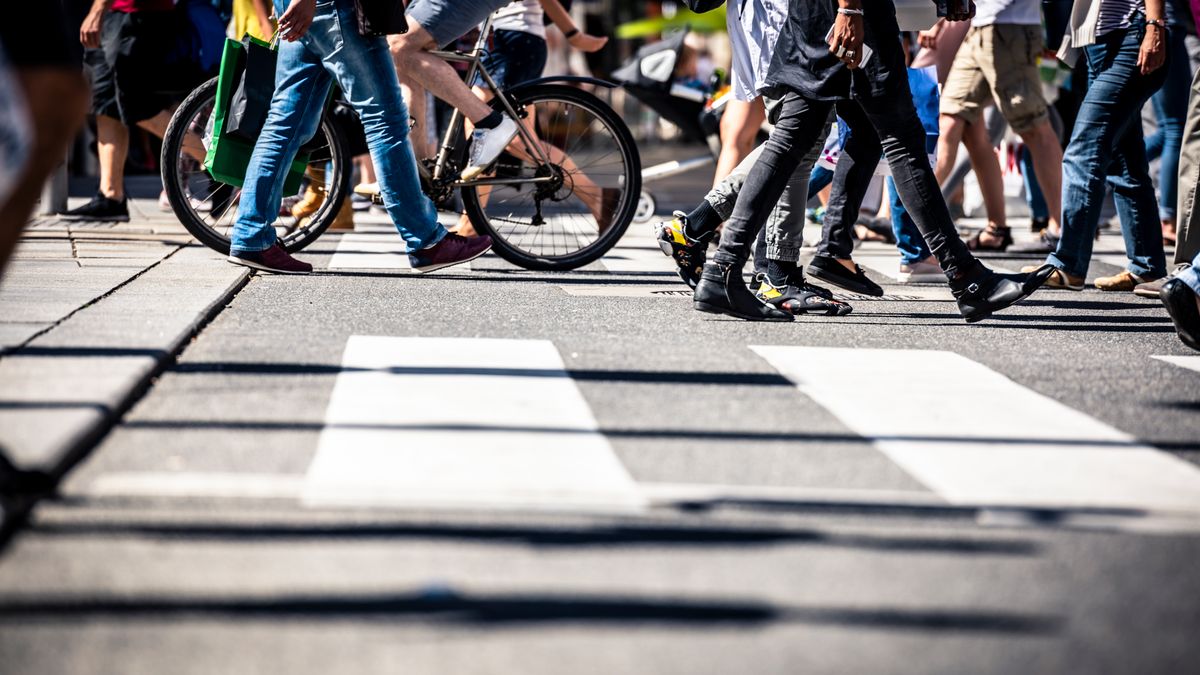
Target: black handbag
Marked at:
380, 17
252, 99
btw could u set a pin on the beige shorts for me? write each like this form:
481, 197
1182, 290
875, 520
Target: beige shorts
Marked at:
997, 62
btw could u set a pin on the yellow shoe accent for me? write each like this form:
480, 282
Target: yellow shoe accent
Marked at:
767, 292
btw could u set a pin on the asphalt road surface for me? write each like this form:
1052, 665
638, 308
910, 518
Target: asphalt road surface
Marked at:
498, 471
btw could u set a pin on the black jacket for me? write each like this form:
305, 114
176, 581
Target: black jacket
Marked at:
804, 64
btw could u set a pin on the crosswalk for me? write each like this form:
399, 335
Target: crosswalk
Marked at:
459, 421
419, 422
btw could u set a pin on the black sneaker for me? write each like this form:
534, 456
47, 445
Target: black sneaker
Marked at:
101, 208
831, 271
689, 254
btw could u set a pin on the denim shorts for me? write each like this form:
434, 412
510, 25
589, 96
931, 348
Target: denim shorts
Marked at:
513, 57
448, 20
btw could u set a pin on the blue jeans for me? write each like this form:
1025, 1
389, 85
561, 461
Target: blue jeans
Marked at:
1170, 109
332, 50
1191, 276
1033, 191
909, 241
1107, 144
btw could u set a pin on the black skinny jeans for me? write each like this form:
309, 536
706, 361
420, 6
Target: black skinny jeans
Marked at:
901, 138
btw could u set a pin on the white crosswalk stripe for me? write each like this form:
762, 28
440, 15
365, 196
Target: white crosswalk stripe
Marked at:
371, 250
946, 428
462, 421
1189, 362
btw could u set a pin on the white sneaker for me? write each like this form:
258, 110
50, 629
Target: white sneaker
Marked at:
921, 272
486, 146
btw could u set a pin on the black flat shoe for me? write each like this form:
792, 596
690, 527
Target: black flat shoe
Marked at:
993, 292
723, 291
1180, 302
831, 271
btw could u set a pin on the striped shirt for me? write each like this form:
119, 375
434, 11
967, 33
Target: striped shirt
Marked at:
1116, 14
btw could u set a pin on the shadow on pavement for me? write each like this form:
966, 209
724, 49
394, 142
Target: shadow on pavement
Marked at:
551, 537
667, 434
448, 607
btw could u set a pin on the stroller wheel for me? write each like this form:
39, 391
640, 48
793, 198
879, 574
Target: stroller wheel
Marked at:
646, 207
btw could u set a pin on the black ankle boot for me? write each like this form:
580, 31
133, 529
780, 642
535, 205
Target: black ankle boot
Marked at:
723, 291
990, 292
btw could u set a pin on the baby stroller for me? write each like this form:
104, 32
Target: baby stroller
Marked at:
695, 108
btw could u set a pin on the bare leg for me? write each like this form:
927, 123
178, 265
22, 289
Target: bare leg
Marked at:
57, 99
991, 181
421, 70
1047, 164
419, 135
950, 134
112, 147
739, 128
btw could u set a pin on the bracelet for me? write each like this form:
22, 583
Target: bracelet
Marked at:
571, 33
850, 12
1157, 23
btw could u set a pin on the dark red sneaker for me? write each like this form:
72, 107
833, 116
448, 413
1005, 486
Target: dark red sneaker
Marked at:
451, 250
274, 259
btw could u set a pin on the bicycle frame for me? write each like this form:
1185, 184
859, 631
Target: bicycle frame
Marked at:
475, 66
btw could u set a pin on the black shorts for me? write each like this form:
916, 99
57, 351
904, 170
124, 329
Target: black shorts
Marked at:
137, 72
37, 33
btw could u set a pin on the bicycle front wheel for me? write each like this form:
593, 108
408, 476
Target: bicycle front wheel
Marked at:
208, 208
568, 212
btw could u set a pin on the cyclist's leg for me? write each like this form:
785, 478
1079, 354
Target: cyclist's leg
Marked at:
431, 24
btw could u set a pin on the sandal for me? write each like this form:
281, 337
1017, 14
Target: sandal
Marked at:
1004, 234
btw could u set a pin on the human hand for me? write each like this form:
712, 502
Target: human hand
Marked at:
1153, 53
295, 21
928, 39
846, 39
587, 43
89, 32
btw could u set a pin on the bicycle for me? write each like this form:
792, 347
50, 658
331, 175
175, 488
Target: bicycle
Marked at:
529, 204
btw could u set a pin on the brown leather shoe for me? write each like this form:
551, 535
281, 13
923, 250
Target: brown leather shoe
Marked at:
1058, 279
1124, 281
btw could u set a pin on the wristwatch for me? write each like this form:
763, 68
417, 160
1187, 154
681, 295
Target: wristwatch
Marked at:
1157, 23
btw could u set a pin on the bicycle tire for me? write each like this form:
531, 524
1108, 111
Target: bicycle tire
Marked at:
196, 224
623, 212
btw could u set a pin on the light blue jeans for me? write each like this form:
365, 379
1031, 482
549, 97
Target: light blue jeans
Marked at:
1191, 276
1107, 145
333, 51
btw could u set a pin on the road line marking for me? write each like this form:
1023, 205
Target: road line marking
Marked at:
1189, 362
974, 436
370, 250
462, 422
208, 485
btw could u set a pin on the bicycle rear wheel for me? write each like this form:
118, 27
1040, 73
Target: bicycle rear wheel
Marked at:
208, 208
586, 206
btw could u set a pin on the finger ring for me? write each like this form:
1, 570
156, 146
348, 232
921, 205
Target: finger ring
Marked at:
850, 54
841, 51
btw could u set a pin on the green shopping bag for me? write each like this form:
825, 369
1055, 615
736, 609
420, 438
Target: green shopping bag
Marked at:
228, 154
